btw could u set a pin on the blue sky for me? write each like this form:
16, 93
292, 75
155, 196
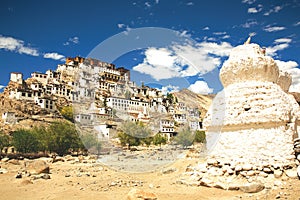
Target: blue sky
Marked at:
38, 35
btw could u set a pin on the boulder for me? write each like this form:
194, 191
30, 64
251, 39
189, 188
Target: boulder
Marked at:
291, 173
252, 187
277, 173
36, 167
136, 194
3, 171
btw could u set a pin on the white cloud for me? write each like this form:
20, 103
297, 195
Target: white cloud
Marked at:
219, 33
255, 10
73, 40
169, 88
280, 44
283, 40
54, 56
291, 67
200, 87
183, 60
147, 4
275, 9
2, 87
121, 25
15, 45
226, 37
273, 28
248, 1
190, 4
249, 24
252, 10
206, 28
297, 23
184, 34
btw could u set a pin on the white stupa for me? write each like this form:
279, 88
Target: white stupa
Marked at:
253, 120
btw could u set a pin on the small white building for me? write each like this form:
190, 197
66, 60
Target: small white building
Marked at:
9, 118
16, 77
43, 78
166, 127
83, 119
195, 125
105, 131
22, 94
45, 103
180, 118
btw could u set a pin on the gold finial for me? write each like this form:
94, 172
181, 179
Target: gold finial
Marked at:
248, 40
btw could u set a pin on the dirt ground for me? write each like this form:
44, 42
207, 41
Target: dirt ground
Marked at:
93, 180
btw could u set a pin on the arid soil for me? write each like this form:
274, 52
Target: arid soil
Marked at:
73, 178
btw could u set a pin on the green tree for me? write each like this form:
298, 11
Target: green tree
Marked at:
42, 135
25, 141
67, 113
91, 142
200, 136
133, 134
159, 139
4, 141
63, 137
185, 137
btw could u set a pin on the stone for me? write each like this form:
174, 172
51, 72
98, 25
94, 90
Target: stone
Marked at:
251, 173
14, 162
238, 168
69, 158
4, 159
277, 173
221, 185
252, 187
247, 167
3, 171
267, 170
19, 175
136, 194
36, 167
169, 170
215, 171
263, 174
201, 167
291, 173
45, 176
212, 161
205, 181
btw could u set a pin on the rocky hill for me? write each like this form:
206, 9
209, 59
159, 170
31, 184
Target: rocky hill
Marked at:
193, 100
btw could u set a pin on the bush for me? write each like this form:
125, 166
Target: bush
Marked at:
91, 142
158, 139
63, 137
25, 141
4, 141
200, 137
185, 137
67, 113
134, 134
